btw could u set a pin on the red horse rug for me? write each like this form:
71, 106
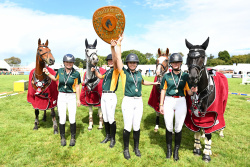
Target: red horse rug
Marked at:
214, 118
92, 97
154, 99
45, 100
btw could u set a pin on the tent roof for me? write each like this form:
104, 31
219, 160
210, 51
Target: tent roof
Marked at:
4, 65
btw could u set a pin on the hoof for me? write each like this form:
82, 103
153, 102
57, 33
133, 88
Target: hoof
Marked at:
90, 129
99, 128
197, 152
35, 128
206, 158
55, 132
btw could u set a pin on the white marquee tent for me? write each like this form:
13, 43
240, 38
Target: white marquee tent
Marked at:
4, 65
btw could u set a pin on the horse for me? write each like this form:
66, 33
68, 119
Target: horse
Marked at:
42, 91
161, 70
92, 86
206, 108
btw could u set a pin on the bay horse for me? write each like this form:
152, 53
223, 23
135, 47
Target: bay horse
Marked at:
42, 91
206, 108
161, 70
92, 86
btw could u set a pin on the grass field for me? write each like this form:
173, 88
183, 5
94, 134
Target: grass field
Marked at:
20, 145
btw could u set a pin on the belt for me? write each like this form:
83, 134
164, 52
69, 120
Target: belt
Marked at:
108, 91
177, 96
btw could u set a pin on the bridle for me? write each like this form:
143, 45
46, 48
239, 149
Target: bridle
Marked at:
164, 67
43, 53
194, 55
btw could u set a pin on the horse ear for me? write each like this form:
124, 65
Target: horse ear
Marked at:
167, 51
39, 42
205, 44
95, 43
189, 45
159, 51
86, 43
47, 43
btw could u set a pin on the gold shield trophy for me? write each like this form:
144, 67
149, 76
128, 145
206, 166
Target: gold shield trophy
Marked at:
109, 22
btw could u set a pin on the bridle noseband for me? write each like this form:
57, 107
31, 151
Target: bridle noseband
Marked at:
164, 67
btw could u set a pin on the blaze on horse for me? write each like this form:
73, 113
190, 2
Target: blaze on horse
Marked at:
92, 86
206, 108
161, 70
42, 91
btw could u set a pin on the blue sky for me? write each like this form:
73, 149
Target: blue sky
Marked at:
150, 24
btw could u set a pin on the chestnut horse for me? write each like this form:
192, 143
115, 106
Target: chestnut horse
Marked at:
206, 108
161, 70
42, 91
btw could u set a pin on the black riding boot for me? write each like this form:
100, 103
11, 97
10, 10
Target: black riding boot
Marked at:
73, 134
126, 135
136, 135
107, 130
177, 145
169, 143
62, 134
113, 132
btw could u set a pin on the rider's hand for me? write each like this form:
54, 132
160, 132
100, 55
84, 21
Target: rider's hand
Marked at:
45, 70
119, 41
161, 110
78, 103
92, 69
113, 43
194, 89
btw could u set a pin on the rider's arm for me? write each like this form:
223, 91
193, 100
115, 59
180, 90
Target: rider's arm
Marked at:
100, 76
118, 54
149, 83
50, 75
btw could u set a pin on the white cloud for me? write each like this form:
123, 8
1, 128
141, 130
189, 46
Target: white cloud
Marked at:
155, 4
22, 27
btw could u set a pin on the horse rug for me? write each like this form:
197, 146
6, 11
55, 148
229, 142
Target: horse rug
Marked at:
214, 118
154, 98
92, 97
48, 98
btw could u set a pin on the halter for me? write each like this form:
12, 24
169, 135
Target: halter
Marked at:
90, 54
164, 67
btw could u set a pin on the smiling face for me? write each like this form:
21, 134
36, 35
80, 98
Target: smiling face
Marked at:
68, 65
132, 65
176, 65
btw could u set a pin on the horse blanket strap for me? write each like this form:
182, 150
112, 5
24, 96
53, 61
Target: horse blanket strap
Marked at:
214, 117
92, 97
154, 98
47, 99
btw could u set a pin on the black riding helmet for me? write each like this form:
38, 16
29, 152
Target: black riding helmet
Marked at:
132, 58
69, 58
109, 57
175, 57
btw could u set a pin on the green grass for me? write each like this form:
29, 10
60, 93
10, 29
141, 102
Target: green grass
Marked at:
22, 146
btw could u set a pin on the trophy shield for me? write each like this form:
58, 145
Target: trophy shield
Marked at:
109, 22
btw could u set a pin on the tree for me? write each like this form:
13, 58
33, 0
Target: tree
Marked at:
149, 55
13, 60
151, 61
215, 62
102, 61
210, 57
224, 55
80, 65
80, 61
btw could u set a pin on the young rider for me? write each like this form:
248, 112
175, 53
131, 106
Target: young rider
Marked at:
69, 89
173, 89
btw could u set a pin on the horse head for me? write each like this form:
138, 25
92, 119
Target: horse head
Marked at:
196, 61
162, 63
91, 53
44, 54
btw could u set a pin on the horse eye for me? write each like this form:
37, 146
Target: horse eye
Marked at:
40, 50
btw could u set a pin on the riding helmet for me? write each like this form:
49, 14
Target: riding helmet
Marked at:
175, 57
109, 57
132, 58
69, 58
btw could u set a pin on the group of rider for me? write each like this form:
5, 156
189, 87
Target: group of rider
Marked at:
174, 86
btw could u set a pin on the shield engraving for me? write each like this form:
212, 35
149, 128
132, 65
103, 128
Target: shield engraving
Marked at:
109, 22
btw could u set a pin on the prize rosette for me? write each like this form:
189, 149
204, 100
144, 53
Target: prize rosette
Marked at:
109, 22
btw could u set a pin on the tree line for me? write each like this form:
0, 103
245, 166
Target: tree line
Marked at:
148, 58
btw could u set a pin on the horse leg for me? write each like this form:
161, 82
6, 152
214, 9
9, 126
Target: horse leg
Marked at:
197, 144
157, 121
53, 115
36, 119
44, 116
100, 118
207, 150
90, 118
221, 133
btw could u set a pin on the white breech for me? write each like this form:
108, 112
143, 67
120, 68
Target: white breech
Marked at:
132, 110
108, 105
64, 101
174, 107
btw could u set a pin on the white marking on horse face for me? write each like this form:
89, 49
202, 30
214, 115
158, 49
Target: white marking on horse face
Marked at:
158, 69
91, 55
161, 59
